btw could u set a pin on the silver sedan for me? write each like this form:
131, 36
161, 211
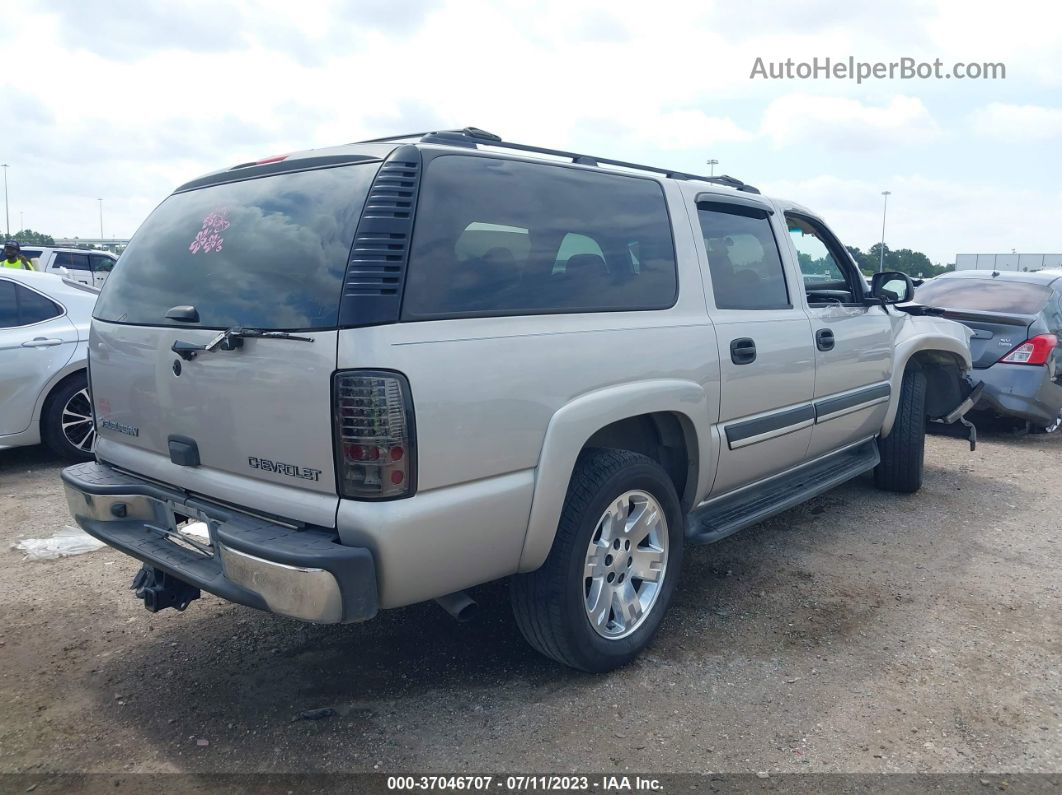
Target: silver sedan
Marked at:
44, 324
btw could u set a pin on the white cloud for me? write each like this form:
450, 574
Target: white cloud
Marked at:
1019, 123
936, 216
846, 123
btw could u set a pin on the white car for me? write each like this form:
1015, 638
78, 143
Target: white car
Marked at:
79, 265
44, 324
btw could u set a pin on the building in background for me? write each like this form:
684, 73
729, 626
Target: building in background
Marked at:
1007, 262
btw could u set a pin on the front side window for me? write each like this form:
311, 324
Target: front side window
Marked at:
743, 257
101, 263
824, 275
267, 253
503, 237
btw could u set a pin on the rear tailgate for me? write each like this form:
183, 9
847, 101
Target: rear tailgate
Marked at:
248, 423
995, 334
259, 416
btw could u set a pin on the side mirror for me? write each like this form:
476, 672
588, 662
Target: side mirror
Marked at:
892, 287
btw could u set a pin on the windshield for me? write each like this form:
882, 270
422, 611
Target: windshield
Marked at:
984, 295
264, 253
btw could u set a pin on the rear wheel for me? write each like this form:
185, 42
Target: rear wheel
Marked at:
66, 424
903, 450
600, 596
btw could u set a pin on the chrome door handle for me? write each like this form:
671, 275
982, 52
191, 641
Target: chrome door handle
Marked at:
42, 342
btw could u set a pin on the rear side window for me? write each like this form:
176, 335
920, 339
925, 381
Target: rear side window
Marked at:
71, 261
20, 306
990, 295
501, 237
743, 257
265, 253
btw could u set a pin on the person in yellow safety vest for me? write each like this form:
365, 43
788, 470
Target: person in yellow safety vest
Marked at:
13, 256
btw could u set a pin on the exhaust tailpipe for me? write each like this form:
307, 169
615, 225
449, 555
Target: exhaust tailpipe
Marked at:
460, 605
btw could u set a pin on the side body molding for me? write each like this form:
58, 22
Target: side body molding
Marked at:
574, 423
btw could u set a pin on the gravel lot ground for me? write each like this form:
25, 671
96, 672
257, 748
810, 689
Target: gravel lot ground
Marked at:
861, 632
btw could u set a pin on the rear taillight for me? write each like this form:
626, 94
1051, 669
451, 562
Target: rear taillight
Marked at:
1034, 351
374, 435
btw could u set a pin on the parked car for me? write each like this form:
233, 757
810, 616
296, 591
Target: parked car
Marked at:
308, 404
1016, 320
77, 264
44, 325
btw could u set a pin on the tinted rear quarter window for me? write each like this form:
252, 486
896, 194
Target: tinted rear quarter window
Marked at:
986, 295
20, 306
503, 237
34, 307
269, 253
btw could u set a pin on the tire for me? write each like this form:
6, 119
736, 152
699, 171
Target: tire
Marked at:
1052, 428
903, 450
552, 604
69, 403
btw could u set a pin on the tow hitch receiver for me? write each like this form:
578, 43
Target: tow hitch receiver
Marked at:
160, 590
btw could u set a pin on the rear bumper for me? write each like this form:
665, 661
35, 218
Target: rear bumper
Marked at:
1019, 390
306, 574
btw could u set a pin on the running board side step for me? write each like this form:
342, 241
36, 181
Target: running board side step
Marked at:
727, 515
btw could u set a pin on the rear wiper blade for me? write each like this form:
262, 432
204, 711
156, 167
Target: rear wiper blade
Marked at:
230, 340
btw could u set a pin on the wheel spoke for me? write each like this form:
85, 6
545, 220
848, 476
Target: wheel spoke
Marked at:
80, 445
643, 520
595, 565
74, 423
626, 605
599, 603
648, 563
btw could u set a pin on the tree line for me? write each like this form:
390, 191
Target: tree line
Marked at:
905, 260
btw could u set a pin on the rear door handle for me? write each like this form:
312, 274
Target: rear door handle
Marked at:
41, 342
743, 351
824, 339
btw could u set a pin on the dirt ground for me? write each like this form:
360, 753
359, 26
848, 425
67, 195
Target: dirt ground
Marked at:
862, 632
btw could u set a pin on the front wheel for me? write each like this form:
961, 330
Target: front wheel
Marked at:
600, 596
903, 450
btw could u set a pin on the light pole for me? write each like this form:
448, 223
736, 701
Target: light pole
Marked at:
885, 207
7, 215
101, 221
712, 164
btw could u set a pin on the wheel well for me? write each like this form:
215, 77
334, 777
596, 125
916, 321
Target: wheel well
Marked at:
944, 380
666, 437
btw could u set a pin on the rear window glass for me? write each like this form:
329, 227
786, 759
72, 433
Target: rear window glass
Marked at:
990, 295
264, 253
501, 237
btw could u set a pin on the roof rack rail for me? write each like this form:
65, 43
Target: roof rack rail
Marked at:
472, 136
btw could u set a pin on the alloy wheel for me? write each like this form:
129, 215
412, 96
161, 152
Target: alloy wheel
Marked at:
626, 561
78, 427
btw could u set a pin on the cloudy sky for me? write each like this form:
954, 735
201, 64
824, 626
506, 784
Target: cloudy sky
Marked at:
125, 99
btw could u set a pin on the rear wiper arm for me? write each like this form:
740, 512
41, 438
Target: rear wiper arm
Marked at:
230, 340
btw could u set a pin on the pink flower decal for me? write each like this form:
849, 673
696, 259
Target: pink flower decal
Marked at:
209, 237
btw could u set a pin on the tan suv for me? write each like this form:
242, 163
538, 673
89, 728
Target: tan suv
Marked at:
362, 377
